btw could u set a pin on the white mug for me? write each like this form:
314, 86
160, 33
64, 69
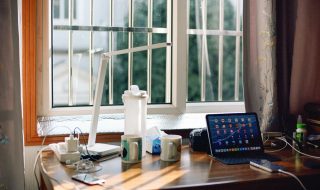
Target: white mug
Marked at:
171, 147
131, 146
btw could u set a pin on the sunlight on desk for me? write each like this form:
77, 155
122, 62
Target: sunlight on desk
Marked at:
194, 170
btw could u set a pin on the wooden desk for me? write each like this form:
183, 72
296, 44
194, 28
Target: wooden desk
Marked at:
195, 170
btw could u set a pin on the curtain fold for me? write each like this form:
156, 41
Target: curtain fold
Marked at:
260, 62
11, 138
305, 77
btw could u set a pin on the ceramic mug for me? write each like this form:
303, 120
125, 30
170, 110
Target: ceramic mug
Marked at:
171, 147
131, 146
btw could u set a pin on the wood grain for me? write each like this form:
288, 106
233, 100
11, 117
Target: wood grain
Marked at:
195, 170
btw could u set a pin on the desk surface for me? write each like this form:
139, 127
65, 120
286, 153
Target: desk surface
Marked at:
194, 170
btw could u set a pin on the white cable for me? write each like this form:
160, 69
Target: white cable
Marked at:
35, 164
294, 176
277, 150
308, 155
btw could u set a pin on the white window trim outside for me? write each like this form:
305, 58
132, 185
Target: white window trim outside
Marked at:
179, 75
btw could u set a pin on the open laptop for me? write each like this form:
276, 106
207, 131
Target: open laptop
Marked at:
236, 138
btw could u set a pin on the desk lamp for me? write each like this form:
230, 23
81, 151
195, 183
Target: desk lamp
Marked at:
99, 148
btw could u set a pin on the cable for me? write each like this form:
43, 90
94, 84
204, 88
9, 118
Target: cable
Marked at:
277, 150
294, 176
35, 164
43, 148
308, 155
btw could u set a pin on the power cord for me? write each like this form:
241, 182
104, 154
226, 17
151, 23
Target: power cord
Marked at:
308, 155
294, 176
42, 149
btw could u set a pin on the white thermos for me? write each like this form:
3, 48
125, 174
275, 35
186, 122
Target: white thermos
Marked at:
135, 112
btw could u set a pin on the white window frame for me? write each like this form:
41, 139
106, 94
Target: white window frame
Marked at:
179, 74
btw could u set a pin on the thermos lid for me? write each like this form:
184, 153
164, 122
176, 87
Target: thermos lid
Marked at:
135, 92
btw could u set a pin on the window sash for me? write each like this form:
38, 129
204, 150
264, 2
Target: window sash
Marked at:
178, 93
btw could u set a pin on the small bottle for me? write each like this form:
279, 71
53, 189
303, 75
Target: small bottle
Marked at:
301, 131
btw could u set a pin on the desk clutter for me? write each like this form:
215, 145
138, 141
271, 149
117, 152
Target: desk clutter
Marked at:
228, 138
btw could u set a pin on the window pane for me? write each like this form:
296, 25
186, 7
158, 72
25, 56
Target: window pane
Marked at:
213, 14
230, 14
139, 61
120, 13
56, 8
195, 16
158, 87
212, 71
229, 44
120, 64
194, 69
159, 13
140, 17
83, 8
101, 10
80, 67
241, 96
60, 88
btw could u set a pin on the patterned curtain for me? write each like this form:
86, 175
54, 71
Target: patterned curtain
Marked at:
260, 61
11, 140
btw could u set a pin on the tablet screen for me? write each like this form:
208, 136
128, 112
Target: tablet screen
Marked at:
234, 133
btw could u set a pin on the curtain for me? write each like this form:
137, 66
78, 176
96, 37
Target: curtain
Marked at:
11, 139
259, 66
305, 77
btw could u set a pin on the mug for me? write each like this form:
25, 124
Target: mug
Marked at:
171, 147
131, 146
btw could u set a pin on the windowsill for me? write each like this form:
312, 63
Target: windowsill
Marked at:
59, 125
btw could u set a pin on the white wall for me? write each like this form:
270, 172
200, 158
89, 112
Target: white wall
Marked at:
30, 155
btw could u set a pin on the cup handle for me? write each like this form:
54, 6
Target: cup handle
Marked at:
134, 151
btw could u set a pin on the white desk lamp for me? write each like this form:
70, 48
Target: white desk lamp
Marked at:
99, 148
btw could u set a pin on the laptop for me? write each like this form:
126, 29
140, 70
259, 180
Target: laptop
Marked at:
236, 138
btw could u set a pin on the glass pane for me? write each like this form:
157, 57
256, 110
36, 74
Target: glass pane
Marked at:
195, 16
140, 39
60, 68
213, 14
56, 8
120, 64
159, 11
229, 44
140, 10
241, 73
80, 68
81, 13
230, 14
194, 69
158, 70
212, 68
120, 13
139, 61
101, 10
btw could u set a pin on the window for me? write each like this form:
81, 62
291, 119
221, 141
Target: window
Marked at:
194, 80
213, 66
110, 25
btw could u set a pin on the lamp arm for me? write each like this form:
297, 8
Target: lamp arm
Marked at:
97, 99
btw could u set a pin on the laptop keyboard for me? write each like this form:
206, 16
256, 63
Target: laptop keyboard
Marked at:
246, 159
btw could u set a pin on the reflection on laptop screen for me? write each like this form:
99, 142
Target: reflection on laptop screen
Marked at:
234, 133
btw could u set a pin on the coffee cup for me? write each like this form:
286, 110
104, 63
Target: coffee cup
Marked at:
171, 147
131, 146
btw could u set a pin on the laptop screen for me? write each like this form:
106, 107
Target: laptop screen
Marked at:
234, 133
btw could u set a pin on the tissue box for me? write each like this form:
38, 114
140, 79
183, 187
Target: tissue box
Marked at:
153, 144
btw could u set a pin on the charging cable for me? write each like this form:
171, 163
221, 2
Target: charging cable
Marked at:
308, 155
294, 176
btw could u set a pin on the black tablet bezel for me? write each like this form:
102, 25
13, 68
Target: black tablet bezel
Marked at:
213, 153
